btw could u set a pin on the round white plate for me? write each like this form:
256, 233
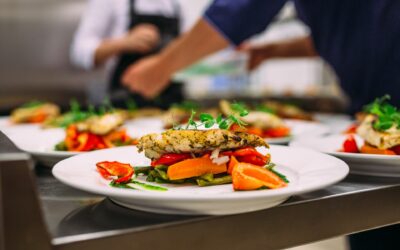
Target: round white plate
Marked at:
299, 129
365, 164
304, 174
40, 142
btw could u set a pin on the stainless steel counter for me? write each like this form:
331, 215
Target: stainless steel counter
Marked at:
78, 220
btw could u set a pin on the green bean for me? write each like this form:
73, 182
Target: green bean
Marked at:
142, 169
207, 177
162, 174
216, 181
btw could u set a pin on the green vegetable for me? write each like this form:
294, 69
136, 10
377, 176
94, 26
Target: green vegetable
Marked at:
387, 114
131, 105
265, 109
207, 120
283, 177
215, 181
32, 104
61, 146
142, 170
133, 184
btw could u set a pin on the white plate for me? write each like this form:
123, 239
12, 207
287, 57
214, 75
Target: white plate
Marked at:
306, 169
299, 129
6, 123
40, 142
365, 164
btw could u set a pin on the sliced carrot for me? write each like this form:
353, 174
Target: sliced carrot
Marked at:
247, 176
255, 131
232, 163
194, 167
277, 132
368, 149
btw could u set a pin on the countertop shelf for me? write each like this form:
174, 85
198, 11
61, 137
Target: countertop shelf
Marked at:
72, 219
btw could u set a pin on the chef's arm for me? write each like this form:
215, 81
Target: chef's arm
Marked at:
299, 47
199, 42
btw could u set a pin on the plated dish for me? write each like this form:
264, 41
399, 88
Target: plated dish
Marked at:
379, 128
81, 172
96, 132
363, 164
34, 112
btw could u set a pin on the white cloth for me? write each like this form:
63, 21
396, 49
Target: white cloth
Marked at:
105, 19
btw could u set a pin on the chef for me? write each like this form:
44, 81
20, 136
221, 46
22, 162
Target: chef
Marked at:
360, 39
120, 32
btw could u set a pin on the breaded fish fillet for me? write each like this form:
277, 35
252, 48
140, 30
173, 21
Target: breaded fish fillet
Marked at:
382, 140
195, 141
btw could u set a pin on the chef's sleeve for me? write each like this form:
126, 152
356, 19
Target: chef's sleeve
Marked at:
238, 20
93, 29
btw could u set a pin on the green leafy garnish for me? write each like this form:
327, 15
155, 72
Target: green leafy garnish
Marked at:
131, 105
208, 121
32, 104
265, 109
387, 114
239, 108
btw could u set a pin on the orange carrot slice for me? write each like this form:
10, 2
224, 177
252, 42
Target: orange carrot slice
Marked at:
194, 167
247, 176
368, 149
232, 163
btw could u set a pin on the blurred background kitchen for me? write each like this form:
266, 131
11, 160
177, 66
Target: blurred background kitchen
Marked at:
35, 62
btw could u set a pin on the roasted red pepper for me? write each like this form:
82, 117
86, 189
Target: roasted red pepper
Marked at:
169, 159
252, 159
277, 132
396, 149
122, 171
350, 145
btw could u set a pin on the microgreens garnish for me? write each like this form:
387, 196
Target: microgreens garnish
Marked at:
131, 105
387, 114
208, 121
265, 109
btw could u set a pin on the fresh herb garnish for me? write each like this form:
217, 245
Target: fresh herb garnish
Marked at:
208, 121
32, 104
265, 109
387, 114
131, 105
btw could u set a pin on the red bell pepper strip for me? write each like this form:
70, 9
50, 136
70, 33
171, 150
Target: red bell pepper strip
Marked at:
122, 171
169, 159
350, 145
396, 149
252, 159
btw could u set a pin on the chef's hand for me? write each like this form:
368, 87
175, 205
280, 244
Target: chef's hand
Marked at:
147, 77
257, 54
142, 38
